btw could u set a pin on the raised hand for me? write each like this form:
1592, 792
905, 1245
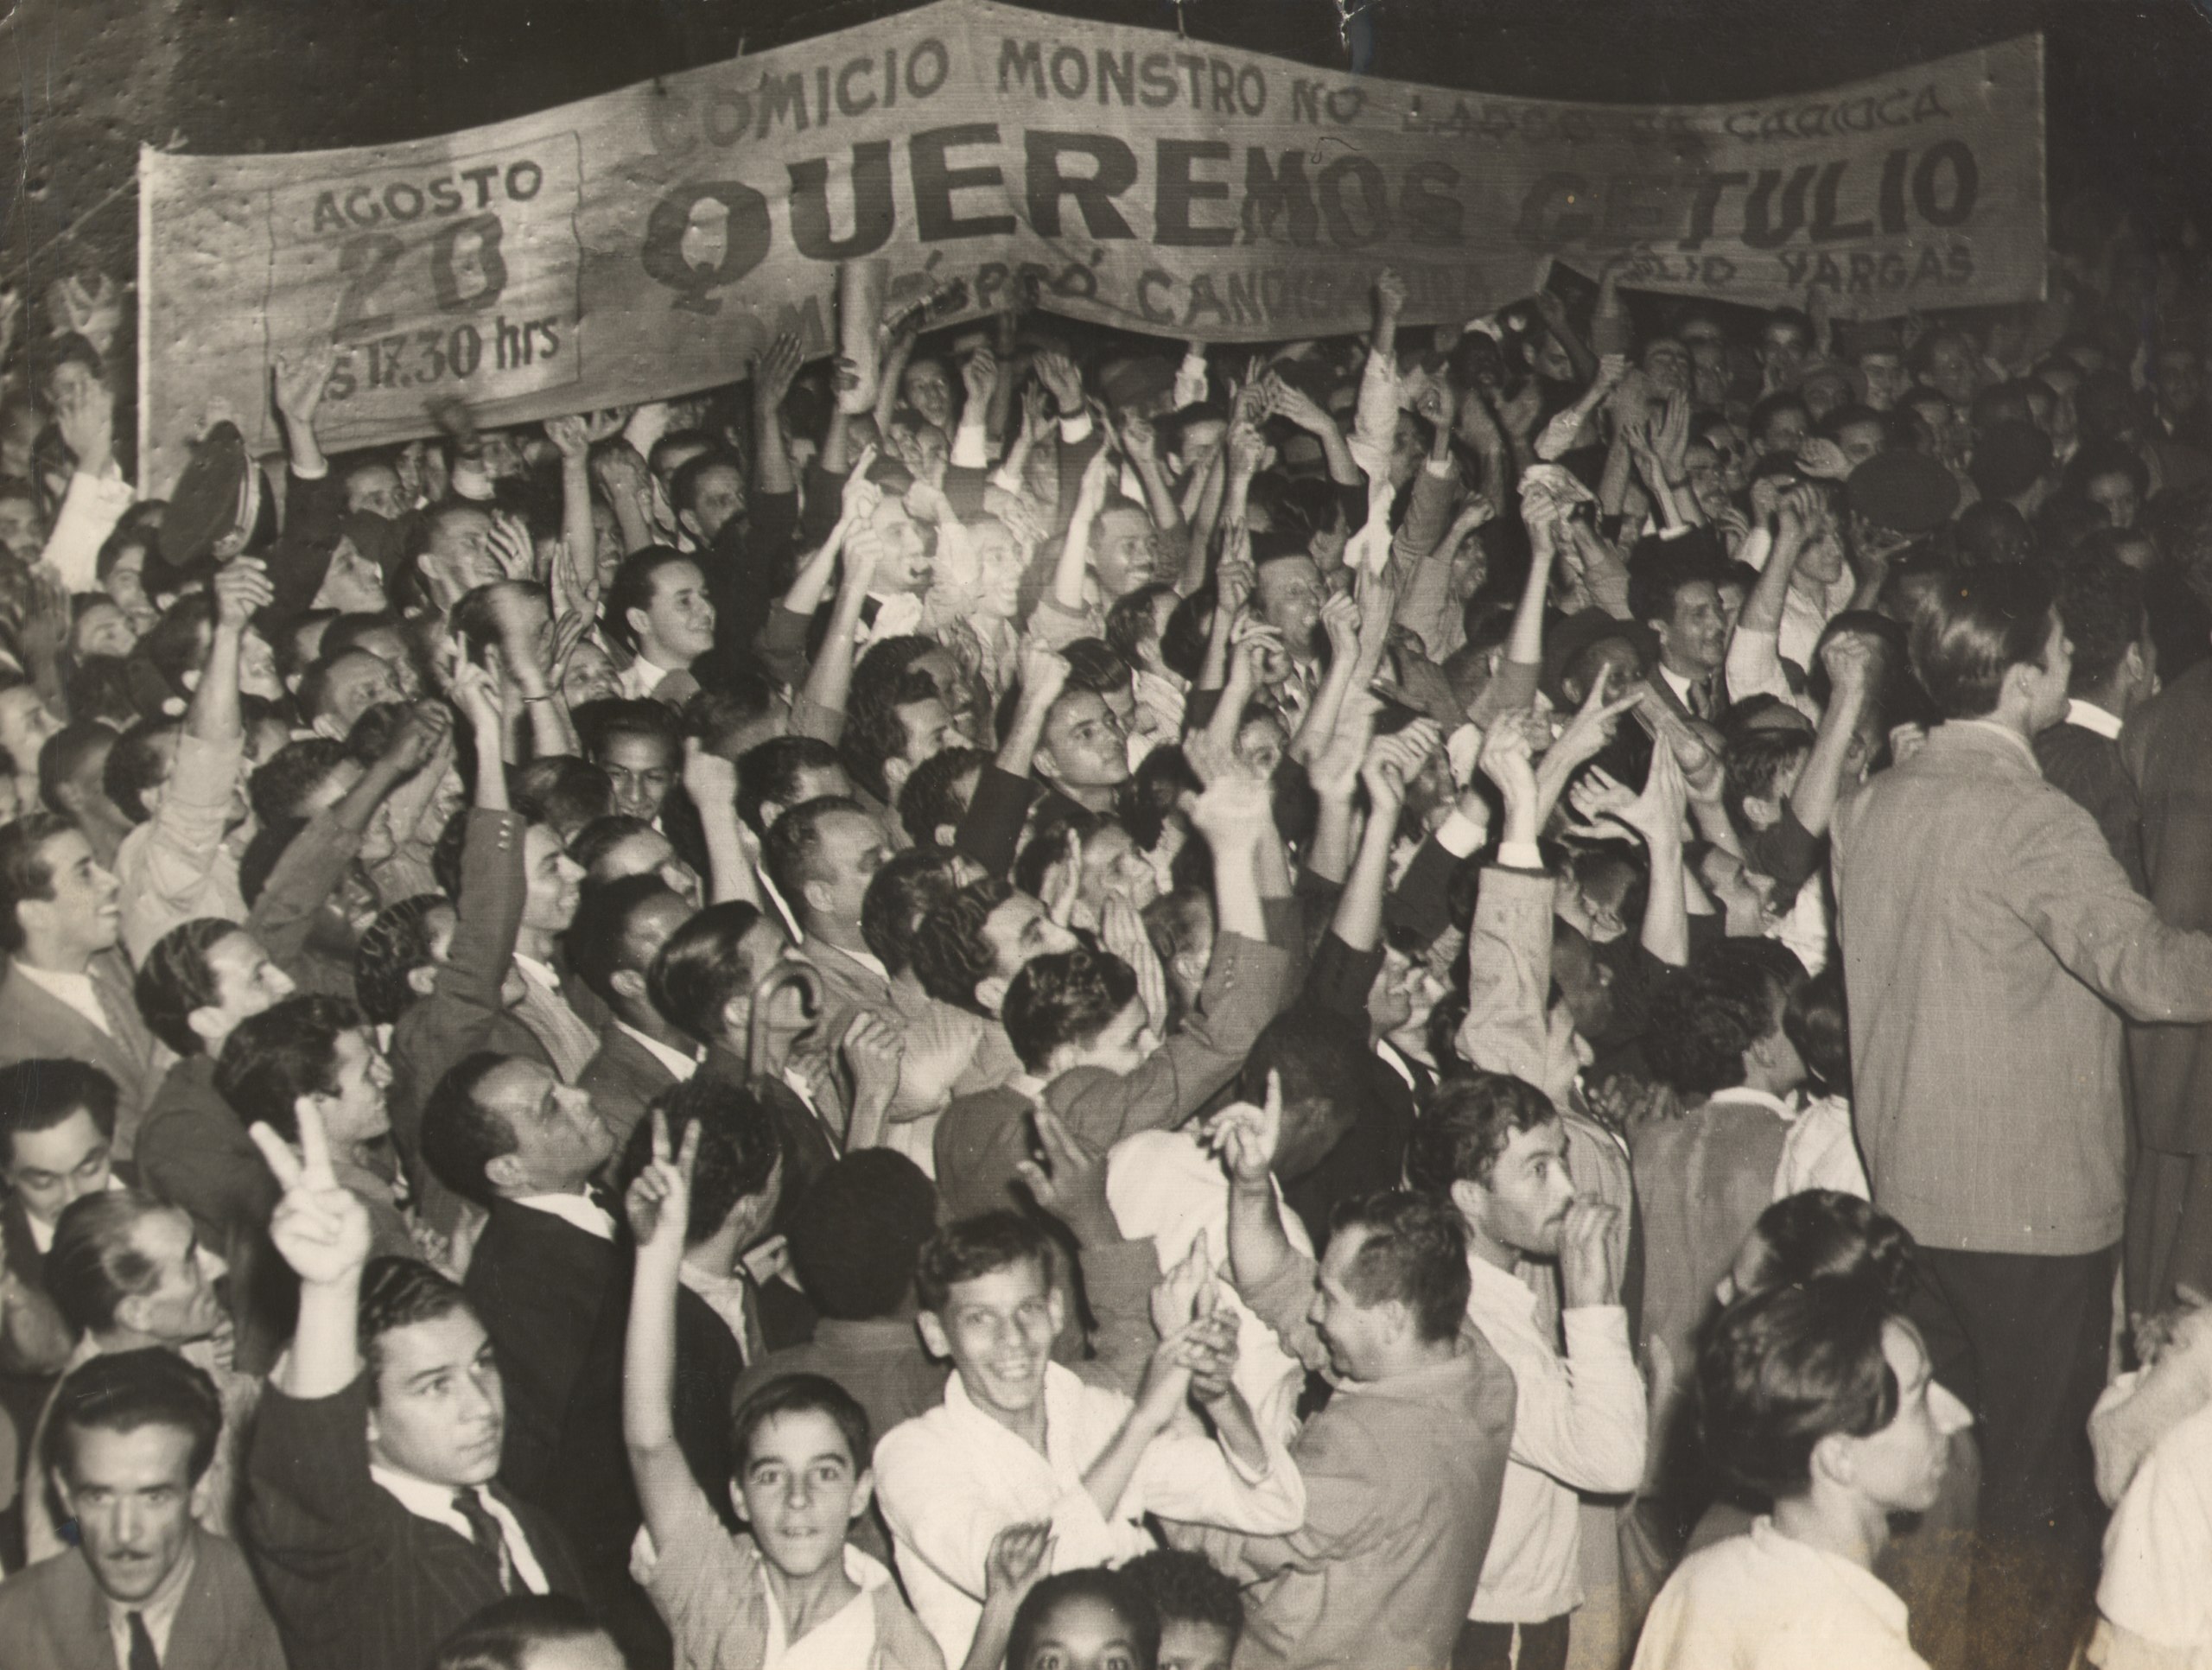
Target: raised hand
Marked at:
301, 379
776, 369
85, 413
1044, 671
658, 1204
1020, 1555
1059, 375
1508, 760
860, 496
320, 1227
1390, 293
1121, 930
1594, 723
1179, 1296
241, 586
571, 437
1244, 1138
415, 740
511, 544
710, 780
477, 695
980, 372
1070, 1183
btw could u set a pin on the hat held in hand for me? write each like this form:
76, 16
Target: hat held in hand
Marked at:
216, 503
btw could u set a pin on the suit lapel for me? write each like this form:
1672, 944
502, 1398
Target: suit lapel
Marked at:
47, 1026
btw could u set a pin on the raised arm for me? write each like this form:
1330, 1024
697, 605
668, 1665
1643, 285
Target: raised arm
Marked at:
772, 374
1850, 662
830, 680
711, 781
321, 1229
660, 1205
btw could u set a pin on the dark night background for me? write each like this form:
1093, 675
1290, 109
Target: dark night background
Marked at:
2127, 78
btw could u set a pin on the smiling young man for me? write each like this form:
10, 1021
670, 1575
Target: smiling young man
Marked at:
374, 1523
660, 608
129, 1448
1020, 1438
66, 993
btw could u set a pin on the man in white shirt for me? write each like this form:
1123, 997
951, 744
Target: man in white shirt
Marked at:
1020, 1438
660, 608
1677, 599
1813, 1396
374, 1523
1495, 1148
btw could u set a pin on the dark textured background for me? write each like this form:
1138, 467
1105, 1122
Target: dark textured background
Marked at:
2128, 80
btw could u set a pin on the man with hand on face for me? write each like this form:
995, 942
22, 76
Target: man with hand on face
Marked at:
374, 1522
503, 1132
1495, 1148
1403, 1480
128, 1447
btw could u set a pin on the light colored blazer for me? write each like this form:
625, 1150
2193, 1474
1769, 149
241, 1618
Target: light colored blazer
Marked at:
36, 1025
1991, 945
53, 1616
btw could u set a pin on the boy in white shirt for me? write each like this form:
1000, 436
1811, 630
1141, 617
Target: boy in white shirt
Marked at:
1020, 1439
1820, 1397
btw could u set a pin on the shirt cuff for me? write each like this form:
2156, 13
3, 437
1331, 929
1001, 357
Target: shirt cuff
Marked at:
1075, 429
1459, 834
971, 447
1442, 468
1519, 855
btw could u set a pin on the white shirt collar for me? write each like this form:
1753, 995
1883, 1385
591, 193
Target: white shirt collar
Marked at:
579, 1210
542, 974
2091, 717
1675, 682
1743, 1093
867, 959
680, 1065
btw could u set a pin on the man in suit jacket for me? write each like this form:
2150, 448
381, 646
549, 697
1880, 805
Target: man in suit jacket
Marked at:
66, 993
1991, 944
620, 929
591, 1492
1404, 1470
503, 1132
2168, 750
2115, 672
130, 1442
373, 1521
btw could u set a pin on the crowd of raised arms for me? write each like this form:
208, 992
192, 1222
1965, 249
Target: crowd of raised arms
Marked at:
1531, 992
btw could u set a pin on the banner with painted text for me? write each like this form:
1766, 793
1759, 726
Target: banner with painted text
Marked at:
649, 242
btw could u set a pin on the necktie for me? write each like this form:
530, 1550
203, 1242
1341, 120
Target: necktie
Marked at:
484, 1531
1700, 700
142, 1656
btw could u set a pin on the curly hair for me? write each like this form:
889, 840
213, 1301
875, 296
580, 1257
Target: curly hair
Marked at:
1063, 998
1466, 1126
1701, 1019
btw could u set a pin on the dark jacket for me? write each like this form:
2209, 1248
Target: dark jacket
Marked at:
355, 1580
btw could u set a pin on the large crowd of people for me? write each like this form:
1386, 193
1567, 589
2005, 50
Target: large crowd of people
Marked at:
1527, 993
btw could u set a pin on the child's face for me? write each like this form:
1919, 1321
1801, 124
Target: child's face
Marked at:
800, 1490
1082, 1633
1190, 1644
